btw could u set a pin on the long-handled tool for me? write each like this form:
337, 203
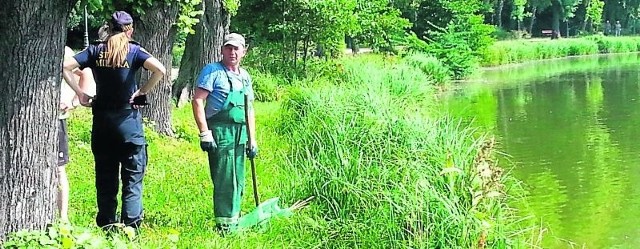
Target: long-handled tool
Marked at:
269, 209
254, 178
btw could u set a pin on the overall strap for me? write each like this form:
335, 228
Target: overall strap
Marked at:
228, 99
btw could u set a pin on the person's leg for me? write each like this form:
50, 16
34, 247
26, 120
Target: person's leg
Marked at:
134, 163
106, 168
63, 194
239, 157
227, 173
63, 182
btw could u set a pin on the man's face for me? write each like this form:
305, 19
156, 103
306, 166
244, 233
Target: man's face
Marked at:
232, 55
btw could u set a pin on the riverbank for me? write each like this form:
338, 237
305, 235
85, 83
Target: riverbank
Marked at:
518, 51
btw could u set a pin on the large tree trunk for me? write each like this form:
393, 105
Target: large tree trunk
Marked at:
156, 31
31, 47
201, 48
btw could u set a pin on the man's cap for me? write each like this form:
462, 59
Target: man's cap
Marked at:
234, 39
120, 19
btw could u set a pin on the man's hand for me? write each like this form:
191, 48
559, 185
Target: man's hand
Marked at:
206, 141
252, 151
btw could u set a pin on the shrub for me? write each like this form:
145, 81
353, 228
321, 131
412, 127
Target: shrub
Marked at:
455, 53
431, 66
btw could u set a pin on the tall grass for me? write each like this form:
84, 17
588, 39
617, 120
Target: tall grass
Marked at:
387, 173
515, 51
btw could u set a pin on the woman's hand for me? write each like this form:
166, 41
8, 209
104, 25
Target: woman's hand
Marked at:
138, 100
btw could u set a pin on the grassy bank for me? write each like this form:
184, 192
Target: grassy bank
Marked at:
386, 170
516, 51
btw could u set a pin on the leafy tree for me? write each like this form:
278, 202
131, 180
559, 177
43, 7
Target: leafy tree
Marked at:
295, 29
518, 12
593, 14
379, 24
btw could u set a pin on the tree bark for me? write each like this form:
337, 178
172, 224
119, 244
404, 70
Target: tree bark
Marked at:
201, 48
533, 19
156, 31
499, 12
31, 46
555, 20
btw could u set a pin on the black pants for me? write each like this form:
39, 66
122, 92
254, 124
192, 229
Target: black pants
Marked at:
127, 162
120, 153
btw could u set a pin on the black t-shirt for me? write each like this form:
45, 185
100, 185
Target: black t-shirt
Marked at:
114, 86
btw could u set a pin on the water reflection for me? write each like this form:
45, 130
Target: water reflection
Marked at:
572, 129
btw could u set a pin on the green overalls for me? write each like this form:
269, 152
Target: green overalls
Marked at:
227, 161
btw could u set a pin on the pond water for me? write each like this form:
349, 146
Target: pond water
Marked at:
570, 129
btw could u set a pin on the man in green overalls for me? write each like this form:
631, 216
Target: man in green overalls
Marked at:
223, 135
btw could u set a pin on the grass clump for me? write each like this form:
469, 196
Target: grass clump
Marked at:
388, 174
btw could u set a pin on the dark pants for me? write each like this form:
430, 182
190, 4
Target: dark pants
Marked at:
133, 159
120, 152
63, 143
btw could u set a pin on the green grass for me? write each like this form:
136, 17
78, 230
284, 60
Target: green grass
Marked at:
177, 184
390, 173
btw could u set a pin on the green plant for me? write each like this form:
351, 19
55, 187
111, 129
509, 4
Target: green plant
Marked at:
177, 53
454, 52
385, 169
431, 66
267, 87
67, 236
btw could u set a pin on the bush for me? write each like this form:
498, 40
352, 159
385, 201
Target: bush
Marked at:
455, 53
431, 66
505, 52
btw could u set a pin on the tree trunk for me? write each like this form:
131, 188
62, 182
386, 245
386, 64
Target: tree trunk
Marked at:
499, 12
306, 51
533, 20
555, 20
156, 32
201, 48
31, 48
